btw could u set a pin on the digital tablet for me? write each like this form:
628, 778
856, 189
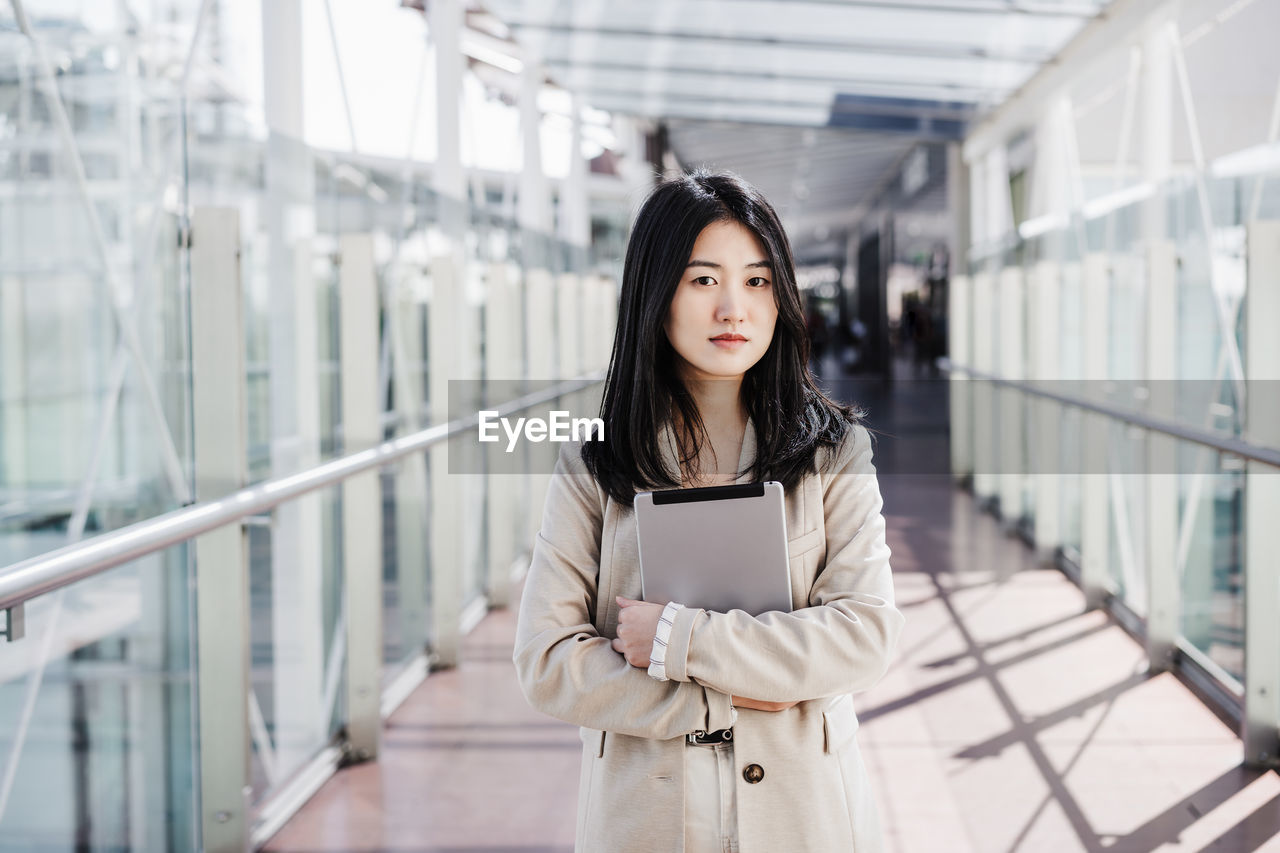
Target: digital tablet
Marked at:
719, 548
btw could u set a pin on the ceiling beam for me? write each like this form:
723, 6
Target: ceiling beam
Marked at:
836, 105
938, 51
1074, 11
961, 91
686, 105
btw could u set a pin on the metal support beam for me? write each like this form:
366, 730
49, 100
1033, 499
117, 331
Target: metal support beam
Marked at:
1261, 734
361, 495
221, 555
15, 623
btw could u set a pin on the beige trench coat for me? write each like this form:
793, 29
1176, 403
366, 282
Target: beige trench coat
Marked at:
814, 796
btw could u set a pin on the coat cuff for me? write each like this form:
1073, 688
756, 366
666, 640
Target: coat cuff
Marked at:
720, 711
677, 661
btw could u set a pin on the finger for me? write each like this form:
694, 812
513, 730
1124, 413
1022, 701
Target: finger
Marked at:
619, 646
627, 602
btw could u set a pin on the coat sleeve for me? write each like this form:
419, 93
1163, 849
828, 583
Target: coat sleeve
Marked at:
842, 642
565, 668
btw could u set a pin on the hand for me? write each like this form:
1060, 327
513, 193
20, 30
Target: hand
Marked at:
637, 623
758, 705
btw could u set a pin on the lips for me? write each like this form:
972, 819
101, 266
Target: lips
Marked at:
729, 338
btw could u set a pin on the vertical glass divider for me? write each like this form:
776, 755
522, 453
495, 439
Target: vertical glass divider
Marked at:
361, 494
984, 395
1261, 733
1164, 587
444, 358
960, 333
1095, 496
503, 348
221, 556
540, 367
1046, 442
1011, 291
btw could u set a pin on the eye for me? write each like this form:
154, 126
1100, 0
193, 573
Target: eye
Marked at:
758, 281
704, 279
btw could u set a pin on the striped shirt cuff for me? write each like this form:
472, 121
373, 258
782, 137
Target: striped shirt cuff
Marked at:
658, 654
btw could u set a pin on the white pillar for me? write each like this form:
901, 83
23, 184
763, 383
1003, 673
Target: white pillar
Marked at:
541, 366
1012, 437
1095, 529
960, 342
503, 366
444, 24
1159, 489
447, 338
1046, 441
574, 226
361, 495
534, 204
1156, 87
569, 325
1161, 481
985, 463
405, 324
13, 383
298, 640
1262, 496
221, 556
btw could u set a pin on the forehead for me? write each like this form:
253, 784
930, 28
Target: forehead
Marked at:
729, 240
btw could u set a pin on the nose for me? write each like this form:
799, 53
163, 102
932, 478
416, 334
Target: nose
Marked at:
731, 307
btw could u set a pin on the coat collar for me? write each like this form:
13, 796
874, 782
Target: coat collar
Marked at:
670, 456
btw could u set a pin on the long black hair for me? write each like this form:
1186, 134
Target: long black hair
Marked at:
643, 390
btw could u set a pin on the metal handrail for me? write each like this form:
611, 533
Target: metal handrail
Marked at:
1239, 447
45, 573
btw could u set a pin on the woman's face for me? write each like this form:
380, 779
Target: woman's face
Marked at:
721, 318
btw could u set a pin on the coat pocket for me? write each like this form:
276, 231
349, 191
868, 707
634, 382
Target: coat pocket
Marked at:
593, 739
804, 543
839, 725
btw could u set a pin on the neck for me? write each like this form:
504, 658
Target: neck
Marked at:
719, 401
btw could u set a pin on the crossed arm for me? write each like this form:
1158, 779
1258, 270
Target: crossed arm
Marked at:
839, 644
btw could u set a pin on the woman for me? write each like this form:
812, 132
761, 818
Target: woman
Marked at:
708, 384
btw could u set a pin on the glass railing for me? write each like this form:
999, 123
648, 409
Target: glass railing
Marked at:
1165, 445
98, 728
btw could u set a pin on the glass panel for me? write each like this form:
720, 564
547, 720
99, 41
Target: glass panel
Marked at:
406, 555
296, 635
96, 739
1210, 510
93, 435
1127, 502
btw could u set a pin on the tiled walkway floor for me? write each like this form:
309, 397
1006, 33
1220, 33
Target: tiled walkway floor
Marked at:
1013, 721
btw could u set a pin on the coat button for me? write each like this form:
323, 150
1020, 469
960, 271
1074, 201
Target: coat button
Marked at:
753, 773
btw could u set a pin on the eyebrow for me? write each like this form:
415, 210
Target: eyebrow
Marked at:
699, 263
